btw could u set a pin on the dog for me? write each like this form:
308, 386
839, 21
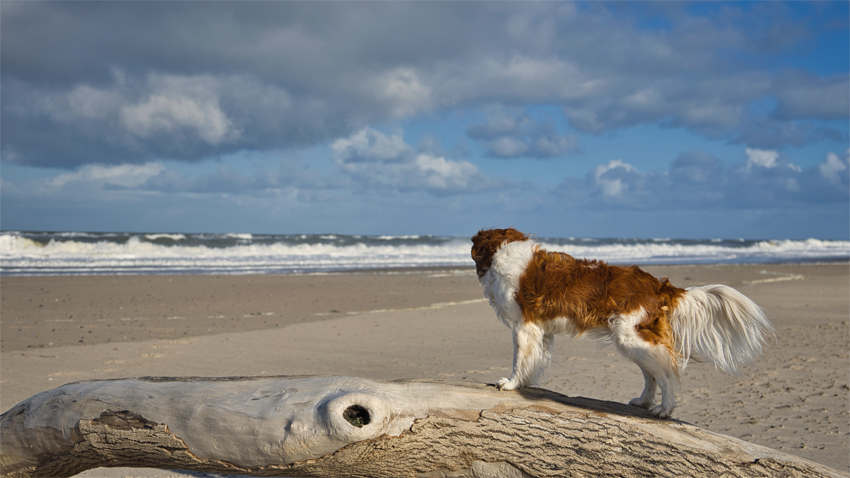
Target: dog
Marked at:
659, 327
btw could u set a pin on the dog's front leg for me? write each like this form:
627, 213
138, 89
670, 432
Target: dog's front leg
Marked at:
530, 357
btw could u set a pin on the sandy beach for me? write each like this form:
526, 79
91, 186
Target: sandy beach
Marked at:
424, 324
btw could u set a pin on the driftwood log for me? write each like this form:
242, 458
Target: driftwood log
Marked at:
343, 426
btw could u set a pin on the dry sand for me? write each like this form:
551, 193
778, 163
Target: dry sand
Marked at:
426, 323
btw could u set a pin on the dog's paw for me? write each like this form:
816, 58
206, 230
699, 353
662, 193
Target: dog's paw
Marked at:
505, 384
640, 402
661, 412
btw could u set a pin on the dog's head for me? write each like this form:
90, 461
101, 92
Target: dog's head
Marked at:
487, 242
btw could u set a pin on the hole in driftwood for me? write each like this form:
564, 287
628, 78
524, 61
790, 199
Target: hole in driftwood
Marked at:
357, 416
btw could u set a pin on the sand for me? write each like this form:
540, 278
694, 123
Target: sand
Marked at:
423, 324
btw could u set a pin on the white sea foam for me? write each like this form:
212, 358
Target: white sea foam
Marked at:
60, 253
21, 255
708, 251
392, 238
173, 237
12, 244
241, 236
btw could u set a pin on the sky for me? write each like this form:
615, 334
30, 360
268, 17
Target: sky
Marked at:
563, 119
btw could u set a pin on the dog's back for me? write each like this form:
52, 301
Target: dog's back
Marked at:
589, 292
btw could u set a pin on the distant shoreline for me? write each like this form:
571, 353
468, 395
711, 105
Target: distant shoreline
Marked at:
67, 253
420, 270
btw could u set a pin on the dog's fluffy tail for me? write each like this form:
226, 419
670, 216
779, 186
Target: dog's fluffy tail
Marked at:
716, 323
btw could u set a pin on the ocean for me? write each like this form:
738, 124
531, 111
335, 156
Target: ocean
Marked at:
90, 253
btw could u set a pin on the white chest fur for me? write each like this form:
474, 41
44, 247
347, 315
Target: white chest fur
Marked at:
501, 282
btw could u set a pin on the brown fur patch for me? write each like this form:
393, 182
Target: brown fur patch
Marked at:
556, 285
487, 242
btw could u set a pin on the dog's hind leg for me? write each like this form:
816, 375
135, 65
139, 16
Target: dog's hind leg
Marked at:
658, 367
531, 356
647, 397
655, 361
659, 362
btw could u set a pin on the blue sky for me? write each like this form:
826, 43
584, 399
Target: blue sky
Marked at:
586, 119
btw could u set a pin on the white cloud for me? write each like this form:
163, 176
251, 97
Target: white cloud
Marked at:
169, 105
442, 174
125, 175
833, 168
761, 158
168, 114
375, 160
370, 145
157, 116
175, 104
609, 178
767, 159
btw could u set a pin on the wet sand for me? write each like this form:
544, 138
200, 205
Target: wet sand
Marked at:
424, 324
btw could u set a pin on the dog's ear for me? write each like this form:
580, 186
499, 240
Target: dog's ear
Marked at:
482, 236
479, 242
487, 241
484, 245
512, 235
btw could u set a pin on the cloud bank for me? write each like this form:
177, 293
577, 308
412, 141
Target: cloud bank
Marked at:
699, 181
292, 116
80, 87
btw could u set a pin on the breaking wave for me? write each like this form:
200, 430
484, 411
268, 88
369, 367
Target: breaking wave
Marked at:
73, 253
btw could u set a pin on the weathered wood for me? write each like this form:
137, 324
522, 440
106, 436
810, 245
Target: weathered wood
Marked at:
343, 426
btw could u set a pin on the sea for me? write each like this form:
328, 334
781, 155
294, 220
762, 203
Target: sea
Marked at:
114, 253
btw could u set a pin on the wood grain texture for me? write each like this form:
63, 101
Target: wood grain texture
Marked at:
297, 426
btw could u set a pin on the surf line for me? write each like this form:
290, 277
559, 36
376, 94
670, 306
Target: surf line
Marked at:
437, 305
783, 276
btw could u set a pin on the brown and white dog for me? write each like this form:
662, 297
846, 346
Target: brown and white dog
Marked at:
657, 326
